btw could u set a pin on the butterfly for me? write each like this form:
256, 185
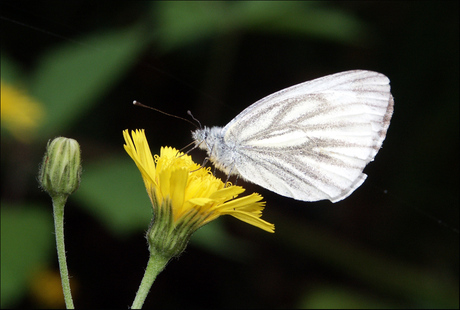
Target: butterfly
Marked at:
310, 141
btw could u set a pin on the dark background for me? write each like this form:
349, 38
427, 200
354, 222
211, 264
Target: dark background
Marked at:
392, 243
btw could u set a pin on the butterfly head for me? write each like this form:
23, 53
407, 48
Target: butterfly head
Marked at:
206, 137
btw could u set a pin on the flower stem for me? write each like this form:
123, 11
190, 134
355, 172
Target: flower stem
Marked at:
58, 211
155, 265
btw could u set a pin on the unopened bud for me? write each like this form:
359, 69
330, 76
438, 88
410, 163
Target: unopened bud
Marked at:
61, 167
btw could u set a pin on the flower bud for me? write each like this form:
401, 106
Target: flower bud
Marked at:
61, 167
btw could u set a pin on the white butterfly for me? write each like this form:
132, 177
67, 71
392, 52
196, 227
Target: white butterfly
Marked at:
310, 141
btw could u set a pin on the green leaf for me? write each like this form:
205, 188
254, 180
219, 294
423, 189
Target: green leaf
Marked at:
71, 78
182, 23
26, 244
214, 238
308, 19
329, 297
113, 191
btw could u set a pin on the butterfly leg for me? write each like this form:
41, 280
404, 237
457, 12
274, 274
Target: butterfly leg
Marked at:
228, 177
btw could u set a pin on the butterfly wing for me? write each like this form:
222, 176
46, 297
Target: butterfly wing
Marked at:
312, 141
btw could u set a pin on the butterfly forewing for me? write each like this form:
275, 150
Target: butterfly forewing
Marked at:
310, 141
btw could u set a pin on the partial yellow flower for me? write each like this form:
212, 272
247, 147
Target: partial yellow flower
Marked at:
21, 114
186, 195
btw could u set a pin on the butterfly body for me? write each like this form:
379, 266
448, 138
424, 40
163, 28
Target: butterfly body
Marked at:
214, 136
310, 141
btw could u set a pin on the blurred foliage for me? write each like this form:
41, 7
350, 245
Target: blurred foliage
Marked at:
27, 238
84, 62
180, 25
68, 74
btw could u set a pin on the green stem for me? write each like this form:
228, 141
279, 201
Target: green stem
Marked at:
155, 265
58, 210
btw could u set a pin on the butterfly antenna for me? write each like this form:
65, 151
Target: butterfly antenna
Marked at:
191, 115
137, 103
185, 147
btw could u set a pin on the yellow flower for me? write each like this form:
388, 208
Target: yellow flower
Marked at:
186, 196
21, 114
